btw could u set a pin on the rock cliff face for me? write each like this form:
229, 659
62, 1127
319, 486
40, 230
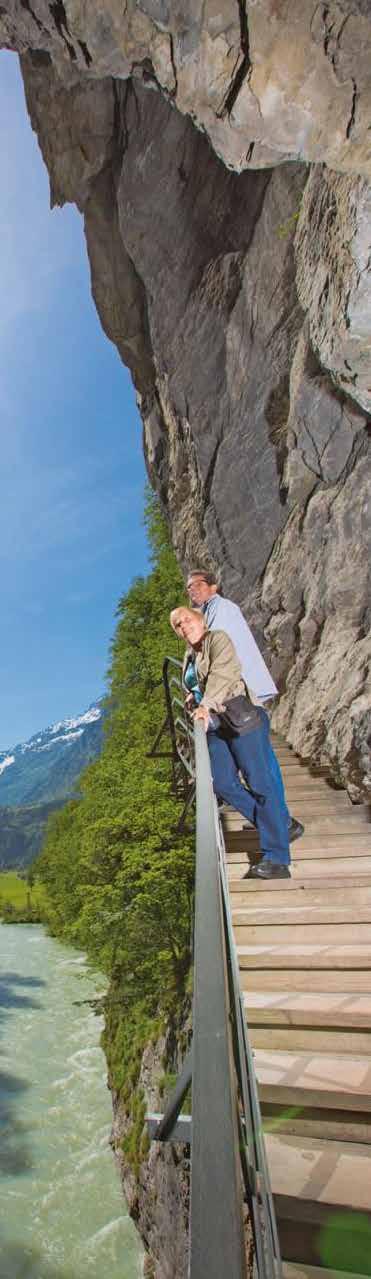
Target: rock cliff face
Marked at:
220, 154
157, 1190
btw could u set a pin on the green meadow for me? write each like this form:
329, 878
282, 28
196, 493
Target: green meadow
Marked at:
21, 900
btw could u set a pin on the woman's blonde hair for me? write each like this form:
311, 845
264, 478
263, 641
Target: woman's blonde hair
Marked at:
176, 613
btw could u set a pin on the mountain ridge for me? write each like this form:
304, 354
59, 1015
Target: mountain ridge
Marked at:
46, 766
41, 774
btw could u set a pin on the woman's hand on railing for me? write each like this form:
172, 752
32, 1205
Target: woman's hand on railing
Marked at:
202, 713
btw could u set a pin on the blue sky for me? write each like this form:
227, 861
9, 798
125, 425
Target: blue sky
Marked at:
72, 471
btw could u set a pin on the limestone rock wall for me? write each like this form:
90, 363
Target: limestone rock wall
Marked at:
220, 155
267, 80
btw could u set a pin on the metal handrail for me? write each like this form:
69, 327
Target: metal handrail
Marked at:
228, 1160
217, 1245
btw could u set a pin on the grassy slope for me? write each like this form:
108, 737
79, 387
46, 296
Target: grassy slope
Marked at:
16, 898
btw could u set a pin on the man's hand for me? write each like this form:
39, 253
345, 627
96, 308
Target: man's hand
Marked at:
203, 714
190, 701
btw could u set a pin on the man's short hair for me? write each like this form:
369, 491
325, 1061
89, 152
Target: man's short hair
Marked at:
211, 579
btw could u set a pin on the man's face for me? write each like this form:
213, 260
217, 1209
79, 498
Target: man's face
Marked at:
198, 590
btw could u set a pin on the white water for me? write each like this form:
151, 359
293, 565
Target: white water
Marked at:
62, 1213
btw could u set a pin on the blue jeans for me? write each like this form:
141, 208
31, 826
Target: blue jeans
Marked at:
273, 762
250, 754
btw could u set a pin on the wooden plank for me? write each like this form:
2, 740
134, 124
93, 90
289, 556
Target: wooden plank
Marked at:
339, 934
307, 896
303, 850
313, 1121
311, 1040
291, 915
314, 868
324, 1172
302, 884
309, 1008
298, 793
328, 825
360, 834
298, 979
328, 818
305, 956
324, 865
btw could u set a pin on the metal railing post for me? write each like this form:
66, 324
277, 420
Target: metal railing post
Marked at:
217, 1245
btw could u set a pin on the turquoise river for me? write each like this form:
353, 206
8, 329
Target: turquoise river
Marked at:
62, 1212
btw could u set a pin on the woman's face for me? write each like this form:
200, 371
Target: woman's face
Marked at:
188, 626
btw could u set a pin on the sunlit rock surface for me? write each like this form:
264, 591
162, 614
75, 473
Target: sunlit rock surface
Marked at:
221, 156
266, 79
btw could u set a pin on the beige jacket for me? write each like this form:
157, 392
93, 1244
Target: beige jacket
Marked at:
218, 670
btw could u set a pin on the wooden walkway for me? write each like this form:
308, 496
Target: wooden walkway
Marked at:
304, 949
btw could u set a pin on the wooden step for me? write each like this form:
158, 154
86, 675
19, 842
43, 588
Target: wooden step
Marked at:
334, 845
325, 865
359, 835
308, 1079
311, 774
339, 935
314, 808
307, 896
340, 826
320, 1171
301, 792
308, 1009
313, 1121
314, 1039
321, 823
310, 809
298, 979
308, 956
293, 768
301, 885
303, 849
313, 868
290, 915
320, 1232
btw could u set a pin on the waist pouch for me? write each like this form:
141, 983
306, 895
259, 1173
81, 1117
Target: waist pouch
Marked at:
240, 716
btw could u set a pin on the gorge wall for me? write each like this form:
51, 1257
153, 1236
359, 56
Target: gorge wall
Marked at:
220, 154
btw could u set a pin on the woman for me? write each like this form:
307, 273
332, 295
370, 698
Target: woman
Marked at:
212, 677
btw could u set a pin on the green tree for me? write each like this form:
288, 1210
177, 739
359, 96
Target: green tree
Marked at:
119, 881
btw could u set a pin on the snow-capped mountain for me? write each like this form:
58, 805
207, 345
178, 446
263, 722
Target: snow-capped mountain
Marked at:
47, 766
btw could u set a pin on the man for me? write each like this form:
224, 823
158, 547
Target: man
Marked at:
222, 614
215, 682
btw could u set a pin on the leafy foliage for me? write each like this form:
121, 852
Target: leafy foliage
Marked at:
118, 881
